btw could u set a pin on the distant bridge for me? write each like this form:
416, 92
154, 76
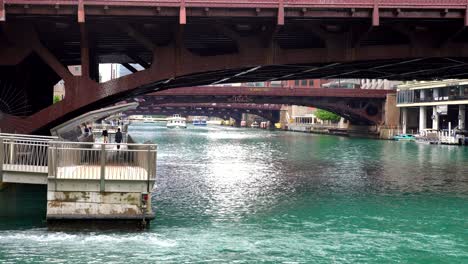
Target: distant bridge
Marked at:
221, 110
357, 105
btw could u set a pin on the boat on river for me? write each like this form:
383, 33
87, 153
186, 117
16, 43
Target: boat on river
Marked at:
199, 121
176, 121
404, 137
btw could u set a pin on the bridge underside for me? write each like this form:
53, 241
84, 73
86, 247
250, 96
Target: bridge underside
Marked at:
209, 45
225, 111
360, 110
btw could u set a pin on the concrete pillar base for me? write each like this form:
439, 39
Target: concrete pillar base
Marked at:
404, 120
461, 117
422, 118
88, 206
435, 118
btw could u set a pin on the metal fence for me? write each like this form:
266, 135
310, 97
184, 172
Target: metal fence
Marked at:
24, 153
97, 161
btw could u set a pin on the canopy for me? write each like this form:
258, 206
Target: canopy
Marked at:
92, 116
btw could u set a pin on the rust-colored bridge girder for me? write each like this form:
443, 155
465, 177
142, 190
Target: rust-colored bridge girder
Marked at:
191, 43
274, 91
244, 106
374, 9
223, 110
360, 106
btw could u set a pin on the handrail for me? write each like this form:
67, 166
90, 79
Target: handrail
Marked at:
78, 160
35, 137
100, 143
75, 161
23, 153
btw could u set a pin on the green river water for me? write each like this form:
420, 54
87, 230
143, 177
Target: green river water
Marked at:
231, 195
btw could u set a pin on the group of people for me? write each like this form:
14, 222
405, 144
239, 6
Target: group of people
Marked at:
87, 131
118, 136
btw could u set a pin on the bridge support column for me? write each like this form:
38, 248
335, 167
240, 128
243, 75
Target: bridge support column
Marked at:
404, 119
422, 118
435, 118
461, 116
68, 208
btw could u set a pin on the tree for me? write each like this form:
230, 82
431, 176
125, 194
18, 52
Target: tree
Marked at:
57, 98
325, 115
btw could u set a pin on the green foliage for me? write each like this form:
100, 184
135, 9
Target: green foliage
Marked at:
57, 99
325, 115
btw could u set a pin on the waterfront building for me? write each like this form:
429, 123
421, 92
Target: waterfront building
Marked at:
433, 104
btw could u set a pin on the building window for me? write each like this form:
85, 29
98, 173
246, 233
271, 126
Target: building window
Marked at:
296, 83
304, 83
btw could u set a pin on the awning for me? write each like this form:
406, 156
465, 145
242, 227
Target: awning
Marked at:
91, 117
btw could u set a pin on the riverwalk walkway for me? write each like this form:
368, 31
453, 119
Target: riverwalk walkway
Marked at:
105, 182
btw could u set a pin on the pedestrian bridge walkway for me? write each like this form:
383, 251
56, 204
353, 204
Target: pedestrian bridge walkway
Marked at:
85, 181
42, 160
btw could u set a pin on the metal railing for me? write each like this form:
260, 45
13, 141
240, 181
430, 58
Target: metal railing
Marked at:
23, 153
103, 162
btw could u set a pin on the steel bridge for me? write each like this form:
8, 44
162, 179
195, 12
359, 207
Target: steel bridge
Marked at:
269, 112
198, 42
361, 107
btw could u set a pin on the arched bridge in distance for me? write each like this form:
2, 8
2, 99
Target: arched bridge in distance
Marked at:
360, 106
222, 110
183, 43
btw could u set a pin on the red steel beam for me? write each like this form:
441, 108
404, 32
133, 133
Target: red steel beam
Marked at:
411, 4
215, 105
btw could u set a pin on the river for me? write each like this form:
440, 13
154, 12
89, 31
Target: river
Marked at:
253, 196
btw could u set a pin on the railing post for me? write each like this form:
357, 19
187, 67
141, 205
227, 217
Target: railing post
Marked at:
102, 186
2, 154
55, 164
148, 175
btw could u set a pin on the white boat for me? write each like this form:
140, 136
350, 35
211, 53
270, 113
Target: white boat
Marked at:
176, 121
254, 125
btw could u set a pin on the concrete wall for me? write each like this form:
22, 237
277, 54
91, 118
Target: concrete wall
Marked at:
95, 205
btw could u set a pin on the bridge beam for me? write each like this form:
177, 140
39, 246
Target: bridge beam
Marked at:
84, 43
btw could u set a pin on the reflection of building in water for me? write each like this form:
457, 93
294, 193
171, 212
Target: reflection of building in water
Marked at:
434, 104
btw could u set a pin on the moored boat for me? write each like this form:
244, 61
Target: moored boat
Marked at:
199, 122
404, 137
176, 121
254, 125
